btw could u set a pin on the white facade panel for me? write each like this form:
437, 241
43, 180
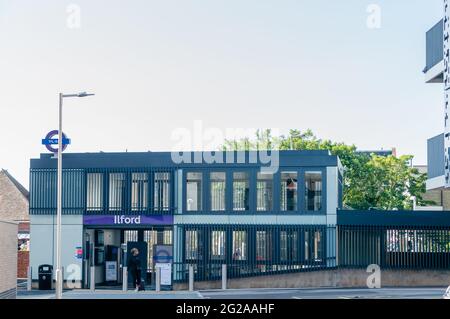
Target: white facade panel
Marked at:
433, 75
435, 183
332, 194
42, 243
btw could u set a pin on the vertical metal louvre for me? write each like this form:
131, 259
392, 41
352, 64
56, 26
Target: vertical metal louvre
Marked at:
398, 247
250, 250
43, 191
104, 191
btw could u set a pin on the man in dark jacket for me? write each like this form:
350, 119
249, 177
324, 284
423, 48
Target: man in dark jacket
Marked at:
134, 268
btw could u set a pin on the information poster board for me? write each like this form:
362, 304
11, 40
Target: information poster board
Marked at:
111, 270
166, 273
78, 252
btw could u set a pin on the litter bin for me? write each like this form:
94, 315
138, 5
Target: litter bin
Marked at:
45, 277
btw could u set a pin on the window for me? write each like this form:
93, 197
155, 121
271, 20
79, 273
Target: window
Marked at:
264, 188
241, 191
99, 249
130, 235
307, 246
94, 196
99, 238
217, 244
161, 200
151, 238
156, 237
288, 196
313, 245
194, 191
139, 191
191, 241
288, 246
167, 237
240, 245
318, 245
263, 245
116, 191
340, 190
283, 246
313, 191
99, 256
217, 186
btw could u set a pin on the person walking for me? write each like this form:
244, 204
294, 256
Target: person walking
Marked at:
134, 268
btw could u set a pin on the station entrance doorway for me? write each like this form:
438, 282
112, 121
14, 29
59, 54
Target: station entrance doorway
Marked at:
108, 251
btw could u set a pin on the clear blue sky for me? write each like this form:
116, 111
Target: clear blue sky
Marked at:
159, 65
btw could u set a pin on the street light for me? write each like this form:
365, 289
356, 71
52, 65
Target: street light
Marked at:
59, 279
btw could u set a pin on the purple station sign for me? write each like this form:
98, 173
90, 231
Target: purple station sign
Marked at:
127, 220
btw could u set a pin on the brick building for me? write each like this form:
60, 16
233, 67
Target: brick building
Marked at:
8, 259
14, 207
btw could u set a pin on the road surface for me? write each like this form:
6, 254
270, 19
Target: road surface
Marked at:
322, 293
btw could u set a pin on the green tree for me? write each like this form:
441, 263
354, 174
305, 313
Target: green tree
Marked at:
370, 181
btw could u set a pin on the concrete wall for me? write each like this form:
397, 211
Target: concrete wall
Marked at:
8, 259
343, 278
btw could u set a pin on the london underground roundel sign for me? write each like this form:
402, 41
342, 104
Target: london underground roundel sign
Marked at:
51, 139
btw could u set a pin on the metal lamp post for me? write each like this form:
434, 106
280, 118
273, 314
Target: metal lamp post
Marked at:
59, 279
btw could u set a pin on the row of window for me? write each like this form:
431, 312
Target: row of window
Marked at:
288, 188
264, 191
117, 191
293, 245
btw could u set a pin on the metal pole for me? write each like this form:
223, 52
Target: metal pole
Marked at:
224, 276
92, 279
125, 279
86, 273
58, 287
29, 278
191, 278
158, 279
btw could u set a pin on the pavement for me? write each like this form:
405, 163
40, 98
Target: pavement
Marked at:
321, 293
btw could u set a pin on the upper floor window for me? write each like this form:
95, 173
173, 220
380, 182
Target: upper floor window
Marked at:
161, 200
139, 191
288, 188
313, 191
94, 196
241, 191
217, 191
264, 192
116, 191
194, 191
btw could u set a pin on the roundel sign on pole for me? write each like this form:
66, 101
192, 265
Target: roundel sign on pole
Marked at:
51, 139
